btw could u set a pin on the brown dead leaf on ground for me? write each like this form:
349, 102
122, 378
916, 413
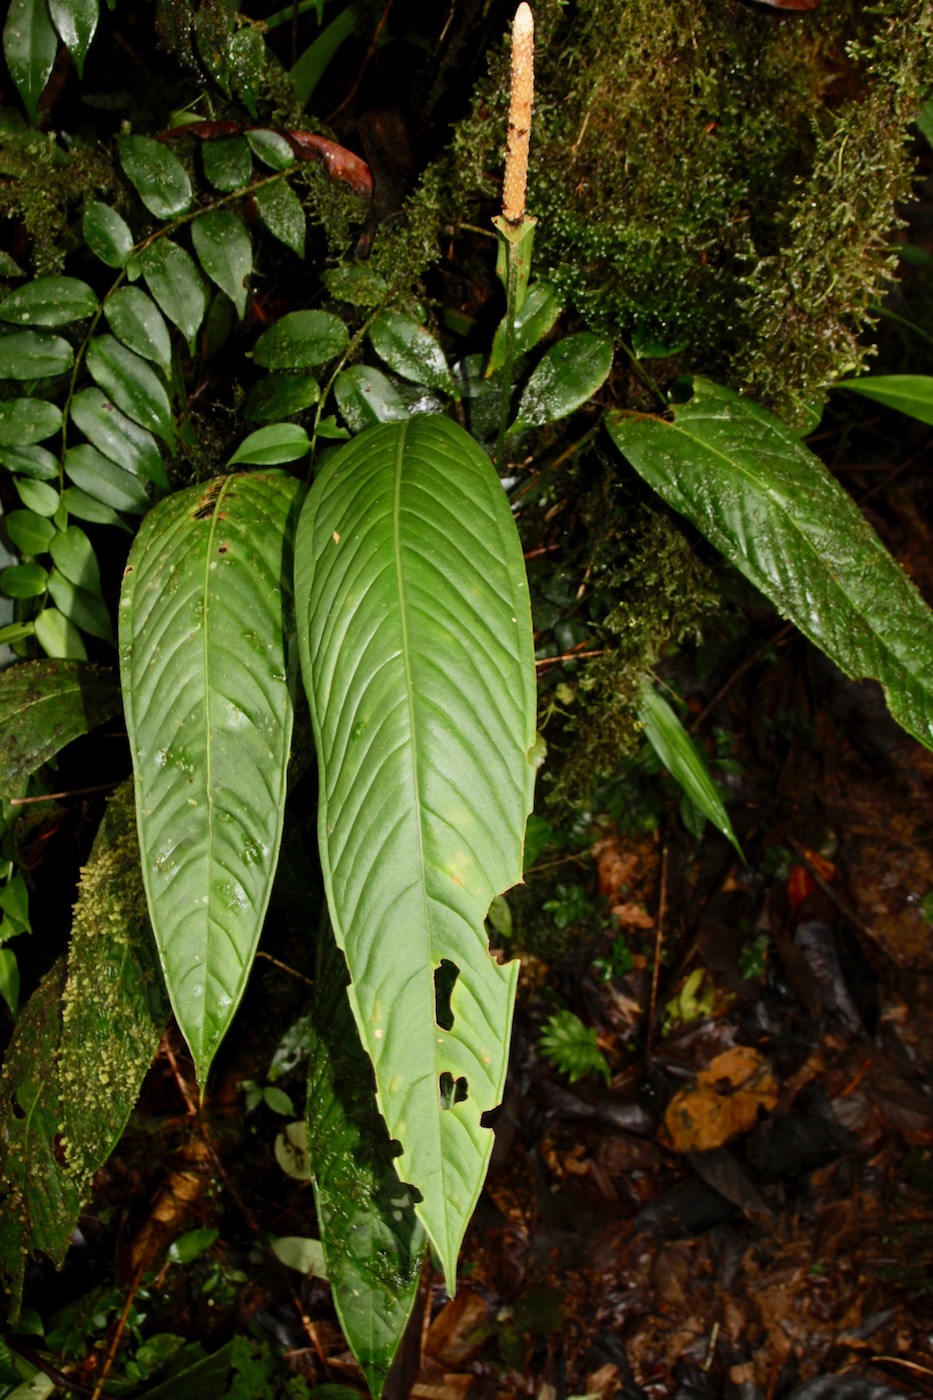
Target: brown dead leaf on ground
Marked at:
728, 1098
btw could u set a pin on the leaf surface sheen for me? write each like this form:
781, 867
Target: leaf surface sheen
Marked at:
415, 631
770, 506
205, 629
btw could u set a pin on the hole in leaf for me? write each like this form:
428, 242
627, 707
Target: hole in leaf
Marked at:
451, 1091
223, 548
207, 503
445, 975
18, 1110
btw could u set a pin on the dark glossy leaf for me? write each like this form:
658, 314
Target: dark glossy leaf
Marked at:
97, 476
131, 384
301, 340
86, 610
270, 447
43, 706
908, 393
160, 179
539, 314
58, 637
49, 301
118, 437
29, 532
115, 1007
76, 22
365, 396
683, 760
771, 507
36, 462
279, 396
34, 355
37, 495
373, 1242
411, 350
107, 234
27, 421
416, 650
39, 1201
205, 629
568, 375
283, 215
24, 581
228, 162
29, 47
225, 253
271, 148
173, 279
135, 320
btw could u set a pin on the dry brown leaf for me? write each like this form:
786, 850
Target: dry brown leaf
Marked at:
729, 1095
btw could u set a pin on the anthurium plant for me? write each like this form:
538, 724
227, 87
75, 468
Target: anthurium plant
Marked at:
389, 596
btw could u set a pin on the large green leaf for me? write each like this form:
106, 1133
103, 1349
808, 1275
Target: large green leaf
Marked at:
115, 1008
771, 507
415, 632
43, 706
49, 301
29, 44
225, 252
374, 1243
131, 384
205, 626
76, 21
173, 279
39, 1200
910, 393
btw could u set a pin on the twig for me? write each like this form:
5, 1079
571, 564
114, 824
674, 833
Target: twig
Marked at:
35, 1359
569, 656
118, 1332
59, 796
292, 972
658, 946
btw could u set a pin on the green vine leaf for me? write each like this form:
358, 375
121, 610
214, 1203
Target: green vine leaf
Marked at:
228, 163
416, 649
29, 532
34, 355
58, 636
135, 320
132, 385
107, 234
27, 421
281, 211
366, 396
173, 279
205, 631
126, 444
36, 462
270, 447
411, 350
49, 301
225, 253
568, 375
43, 706
159, 177
301, 340
102, 480
771, 507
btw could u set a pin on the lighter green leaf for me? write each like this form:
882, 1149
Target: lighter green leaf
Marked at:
84, 507
301, 340
415, 633
568, 375
24, 581
38, 495
411, 350
27, 421
43, 706
300, 1253
682, 759
270, 447
538, 315
909, 393
225, 253
107, 234
29, 46
85, 609
173, 279
271, 148
29, 532
278, 396
771, 507
356, 283
131, 384
205, 630
98, 477
34, 355
58, 637
283, 215
366, 396
118, 437
309, 69
36, 462
49, 301
76, 22
73, 555
160, 178
135, 320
